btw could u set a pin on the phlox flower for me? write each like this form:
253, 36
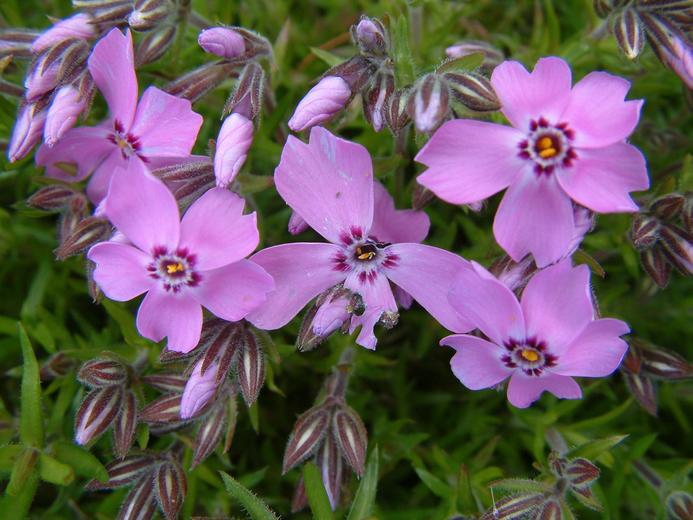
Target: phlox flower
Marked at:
182, 265
565, 145
329, 183
540, 342
158, 130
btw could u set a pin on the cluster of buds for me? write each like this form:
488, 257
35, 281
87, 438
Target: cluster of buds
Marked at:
663, 233
155, 480
665, 24
332, 433
111, 402
645, 364
548, 499
228, 359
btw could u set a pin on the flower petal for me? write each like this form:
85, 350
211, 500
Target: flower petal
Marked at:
232, 291
301, 271
367, 321
215, 230
524, 96
557, 304
121, 270
524, 390
112, 65
485, 301
393, 225
374, 290
142, 208
476, 362
535, 216
329, 182
97, 187
427, 274
602, 178
597, 111
468, 161
176, 315
596, 352
165, 125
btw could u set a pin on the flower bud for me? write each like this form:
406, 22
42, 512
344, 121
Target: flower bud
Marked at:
246, 98
331, 315
329, 462
307, 434
222, 41
396, 115
602, 7
62, 114
171, 486
41, 79
430, 103
51, 198
680, 505
86, 233
124, 425
670, 44
211, 430
351, 437
195, 84
628, 31
233, 143
199, 390
668, 207
154, 44
148, 13
97, 412
251, 367
473, 90
110, 12
99, 373
376, 99
644, 391
78, 27
644, 231
678, 248
162, 410
514, 275
492, 56
655, 264
660, 363
687, 213
370, 35
27, 130
296, 224
321, 103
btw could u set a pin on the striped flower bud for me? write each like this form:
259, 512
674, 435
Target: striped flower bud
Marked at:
233, 143
251, 367
602, 7
680, 505
42, 78
376, 99
222, 41
17, 42
629, 33
678, 248
147, 14
429, 104
473, 90
63, 112
51, 198
78, 27
154, 44
307, 434
656, 265
644, 231
246, 98
668, 207
199, 390
27, 131
370, 35
321, 103
99, 373
97, 412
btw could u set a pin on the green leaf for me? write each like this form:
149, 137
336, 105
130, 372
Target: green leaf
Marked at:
463, 64
523, 485
8, 455
327, 57
30, 420
582, 257
253, 412
593, 449
315, 491
364, 499
80, 460
54, 471
125, 320
21, 471
404, 63
255, 507
17, 506
433, 483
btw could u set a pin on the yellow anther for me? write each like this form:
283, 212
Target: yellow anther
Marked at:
175, 268
544, 143
547, 153
366, 256
529, 355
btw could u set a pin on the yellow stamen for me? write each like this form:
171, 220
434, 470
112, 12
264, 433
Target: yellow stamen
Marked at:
546, 148
529, 355
364, 256
548, 153
175, 268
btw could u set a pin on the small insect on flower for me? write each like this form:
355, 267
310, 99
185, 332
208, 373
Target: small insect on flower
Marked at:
566, 145
539, 342
181, 265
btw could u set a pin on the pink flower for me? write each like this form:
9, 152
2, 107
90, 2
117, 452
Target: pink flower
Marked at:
233, 143
329, 183
566, 144
222, 42
199, 389
321, 103
78, 26
181, 265
539, 342
157, 129
65, 108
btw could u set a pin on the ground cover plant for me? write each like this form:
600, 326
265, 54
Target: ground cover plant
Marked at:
346, 259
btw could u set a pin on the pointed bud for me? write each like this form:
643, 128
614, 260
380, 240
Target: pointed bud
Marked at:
473, 90
492, 56
644, 231
668, 207
662, 363
147, 14
199, 390
78, 27
222, 346
86, 233
41, 79
195, 84
656, 266
680, 505
644, 391
332, 314
629, 33
429, 104
233, 143
58, 365
164, 409
97, 412
107, 12
63, 112
188, 192
370, 35
170, 486
514, 507
678, 248
351, 437
296, 224
140, 502
123, 472
125, 425
222, 41
185, 171
51, 198
154, 44
670, 44
166, 382
307, 434
602, 7
246, 98
632, 361
581, 473
376, 99
209, 434
99, 373
299, 500
687, 213
27, 131
251, 368
16, 42
329, 463
321, 103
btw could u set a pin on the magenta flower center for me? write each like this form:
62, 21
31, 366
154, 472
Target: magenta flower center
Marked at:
127, 143
366, 256
174, 270
548, 146
530, 356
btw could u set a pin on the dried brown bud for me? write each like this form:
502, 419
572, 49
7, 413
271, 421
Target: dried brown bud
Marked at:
644, 231
102, 372
308, 432
85, 234
473, 90
351, 437
629, 33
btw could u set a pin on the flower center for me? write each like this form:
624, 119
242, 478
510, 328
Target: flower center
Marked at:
175, 270
530, 356
548, 146
366, 252
127, 143
365, 255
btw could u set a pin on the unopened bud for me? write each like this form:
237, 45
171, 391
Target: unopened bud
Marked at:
396, 115
125, 424
199, 390
222, 41
678, 247
162, 410
376, 99
97, 412
51, 198
246, 98
155, 44
86, 233
62, 114
211, 429
644, 231
147, 14
661, 363
58, 365
331, 315
41, 78
78, 27
370, 35
110, 12
351, 437
102, 372
251, 367
321, 103
123, 472
430, 103
514, 275
473, 90
492, 56
687, 213
16, 42
296, 224
655, 264
197, 83
668, 207
170, 486
27, 130
602, 7
515, 506
629, 33
306, 436
329, 462
680, 505
233, 143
